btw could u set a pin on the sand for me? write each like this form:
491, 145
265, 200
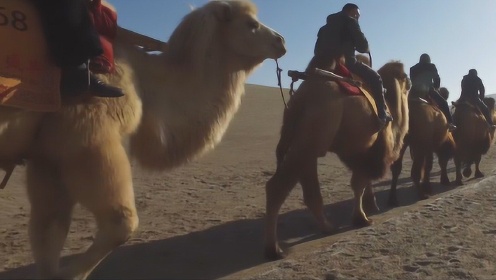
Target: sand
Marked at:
205, 220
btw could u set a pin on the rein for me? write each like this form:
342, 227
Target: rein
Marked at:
278, 73
370, 59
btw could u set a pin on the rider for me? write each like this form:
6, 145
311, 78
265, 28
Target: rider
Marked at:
425, 79
73, 40
342, 36
473, 92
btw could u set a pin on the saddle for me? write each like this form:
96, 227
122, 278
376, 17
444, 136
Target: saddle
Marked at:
349, 83
29, 79
473, 107
422, 98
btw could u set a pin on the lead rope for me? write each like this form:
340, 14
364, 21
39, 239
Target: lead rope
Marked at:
278, 72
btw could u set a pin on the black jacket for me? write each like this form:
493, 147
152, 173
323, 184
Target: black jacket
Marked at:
71, 36
340, 36
425, 75
472, 87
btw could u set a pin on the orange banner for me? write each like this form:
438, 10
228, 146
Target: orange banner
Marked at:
28, 78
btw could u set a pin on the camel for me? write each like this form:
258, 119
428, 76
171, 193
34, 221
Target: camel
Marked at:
321, 118
177, 106
473, 138
428, 134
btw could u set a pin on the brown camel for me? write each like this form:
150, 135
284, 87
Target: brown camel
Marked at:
428, 134
473, 138
321, 118
177, 105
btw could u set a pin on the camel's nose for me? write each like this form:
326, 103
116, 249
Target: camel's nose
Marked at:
280, 39
280, 44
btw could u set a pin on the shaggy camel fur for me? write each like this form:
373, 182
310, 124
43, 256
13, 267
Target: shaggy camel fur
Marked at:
321, 118
473, 138
428, 134
177, 105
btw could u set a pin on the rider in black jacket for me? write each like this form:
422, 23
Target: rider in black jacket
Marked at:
425, 79
342, 36
473, 91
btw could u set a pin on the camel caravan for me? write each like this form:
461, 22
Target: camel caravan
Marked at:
179, 99
322, 116
177, 105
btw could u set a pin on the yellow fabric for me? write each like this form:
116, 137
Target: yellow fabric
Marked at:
28, 78
366, 93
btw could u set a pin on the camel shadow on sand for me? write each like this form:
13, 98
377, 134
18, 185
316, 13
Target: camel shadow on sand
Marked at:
227, 248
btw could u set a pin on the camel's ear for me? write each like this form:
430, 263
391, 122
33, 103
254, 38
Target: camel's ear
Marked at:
223, 11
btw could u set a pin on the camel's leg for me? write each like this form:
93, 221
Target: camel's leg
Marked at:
281, 150
308, 142
358, 184
458, 172
478, 173
443, 164
467, 169
287, 135
369, 201
311, 193
101, 181
51, 210
426, 180
417, 171
277, 190
396, 168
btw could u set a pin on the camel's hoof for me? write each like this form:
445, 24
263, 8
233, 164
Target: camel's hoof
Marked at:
445, 182
458, 183
393, 202
361, 222
427, 189
423, 196
478, 175
327, 228
467, 172
274, 254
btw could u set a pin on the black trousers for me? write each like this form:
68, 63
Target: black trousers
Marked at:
70, 33
373, 79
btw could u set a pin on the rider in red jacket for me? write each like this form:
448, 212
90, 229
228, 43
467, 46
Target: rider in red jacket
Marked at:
73, 41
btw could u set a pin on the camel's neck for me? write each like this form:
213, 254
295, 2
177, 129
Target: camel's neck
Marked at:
192, 103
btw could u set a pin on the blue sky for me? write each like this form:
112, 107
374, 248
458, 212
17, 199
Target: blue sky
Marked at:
457, 34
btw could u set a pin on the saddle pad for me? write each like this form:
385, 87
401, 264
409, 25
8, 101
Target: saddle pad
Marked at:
28, 78
352, 89
347, 87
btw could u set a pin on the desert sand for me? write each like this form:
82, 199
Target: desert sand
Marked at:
205, 220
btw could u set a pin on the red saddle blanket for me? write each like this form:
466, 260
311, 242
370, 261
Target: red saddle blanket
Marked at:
347, 87
105, 21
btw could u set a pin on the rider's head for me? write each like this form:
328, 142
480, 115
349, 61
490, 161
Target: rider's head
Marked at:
425, 58
352, 10
472, 72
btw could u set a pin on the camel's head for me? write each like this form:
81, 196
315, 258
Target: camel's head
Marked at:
244, 34
395, 70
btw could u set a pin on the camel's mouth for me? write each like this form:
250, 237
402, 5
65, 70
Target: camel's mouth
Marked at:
279, 49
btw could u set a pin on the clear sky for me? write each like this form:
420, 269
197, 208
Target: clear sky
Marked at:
457, 34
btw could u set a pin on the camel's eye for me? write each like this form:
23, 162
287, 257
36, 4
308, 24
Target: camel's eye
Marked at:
253, 24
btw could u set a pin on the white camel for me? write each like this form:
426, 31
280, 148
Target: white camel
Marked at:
177, 105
